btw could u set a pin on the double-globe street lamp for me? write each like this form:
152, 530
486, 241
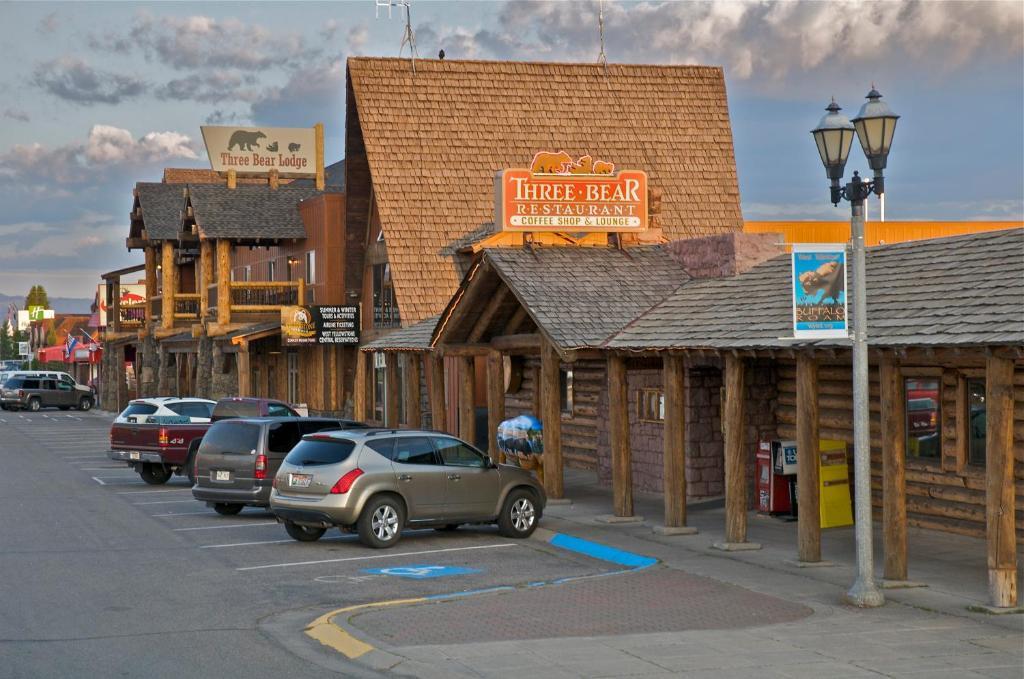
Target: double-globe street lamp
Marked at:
874, 127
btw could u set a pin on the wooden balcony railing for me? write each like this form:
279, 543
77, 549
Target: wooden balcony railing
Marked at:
267, 296
133, 314
186, 306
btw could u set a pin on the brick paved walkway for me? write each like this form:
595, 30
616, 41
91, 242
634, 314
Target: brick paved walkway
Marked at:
657, 599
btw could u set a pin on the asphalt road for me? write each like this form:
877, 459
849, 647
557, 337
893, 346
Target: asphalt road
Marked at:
103, 575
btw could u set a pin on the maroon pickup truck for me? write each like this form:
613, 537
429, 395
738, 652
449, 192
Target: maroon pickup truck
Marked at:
161, 446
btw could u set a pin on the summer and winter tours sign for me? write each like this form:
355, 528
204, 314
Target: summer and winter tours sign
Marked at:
819, 291
560, 193
309, 325
258, 150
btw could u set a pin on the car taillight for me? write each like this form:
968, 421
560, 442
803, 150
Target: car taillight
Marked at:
344, 484
163, 438
934, 419
21, 393
261, 466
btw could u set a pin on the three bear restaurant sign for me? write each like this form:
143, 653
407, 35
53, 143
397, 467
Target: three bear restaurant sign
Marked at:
561, 193
258, 150
819, 291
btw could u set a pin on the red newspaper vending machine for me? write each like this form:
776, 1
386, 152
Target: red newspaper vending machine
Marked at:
776, 460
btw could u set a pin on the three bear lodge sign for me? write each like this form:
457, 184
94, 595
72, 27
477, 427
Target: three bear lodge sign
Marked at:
561, 193
292, 151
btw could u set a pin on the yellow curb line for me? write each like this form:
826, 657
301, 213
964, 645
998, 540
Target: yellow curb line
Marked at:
327, 633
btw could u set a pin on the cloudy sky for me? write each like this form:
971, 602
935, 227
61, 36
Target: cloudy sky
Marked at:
102, 95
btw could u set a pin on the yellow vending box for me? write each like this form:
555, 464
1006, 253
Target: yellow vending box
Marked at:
834, 488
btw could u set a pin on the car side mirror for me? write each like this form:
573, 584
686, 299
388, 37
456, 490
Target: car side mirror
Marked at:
489, 463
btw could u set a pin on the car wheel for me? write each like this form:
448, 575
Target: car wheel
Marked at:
85, 404
380, 524
303, 533
155, 474
227, 508
190, 463
519, 515
447, 528
34, 404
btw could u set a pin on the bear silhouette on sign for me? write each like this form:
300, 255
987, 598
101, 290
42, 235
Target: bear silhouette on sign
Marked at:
546, 162
602, 167
294, 147
244, 140
272, 147
585, 165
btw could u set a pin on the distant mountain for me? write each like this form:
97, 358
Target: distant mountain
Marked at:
61, 305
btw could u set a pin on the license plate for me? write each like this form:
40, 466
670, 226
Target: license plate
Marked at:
300, 480
133, 456
221, 476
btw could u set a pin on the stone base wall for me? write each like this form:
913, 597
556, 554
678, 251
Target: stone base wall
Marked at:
223, 373
149, 364
204, 367
167, 374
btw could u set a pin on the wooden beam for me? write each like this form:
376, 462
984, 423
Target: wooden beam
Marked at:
115, 307
205, 276
735, 427
488, 314
515, 321
318, 134
391, 390
150, 282
413, 412
999, 496
526, 343
495, 403
467, 397
463, 350
551, 418
894, 452
674, 379
223, 282
359, 401
618, 425
438, 409
535, 401
808, 544
244, 370
169, 269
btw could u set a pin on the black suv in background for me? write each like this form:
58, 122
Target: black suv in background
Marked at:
35, 392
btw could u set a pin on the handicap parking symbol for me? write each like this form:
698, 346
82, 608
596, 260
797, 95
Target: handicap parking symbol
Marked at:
422, 571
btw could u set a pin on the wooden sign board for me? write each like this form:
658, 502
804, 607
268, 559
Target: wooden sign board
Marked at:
255, 151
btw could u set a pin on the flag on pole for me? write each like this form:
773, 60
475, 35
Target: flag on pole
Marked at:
69, 345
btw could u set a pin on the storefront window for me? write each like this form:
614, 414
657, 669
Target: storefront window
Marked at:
385, 310
651, 405
924, 434
976, 422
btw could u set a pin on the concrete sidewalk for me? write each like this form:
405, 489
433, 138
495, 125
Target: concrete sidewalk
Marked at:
920, 632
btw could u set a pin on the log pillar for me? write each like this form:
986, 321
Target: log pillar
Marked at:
674, 379
999, 495
205, 276
894, 484
413, 414
618, 425
808, 545
551, 419
359, 400
495, 403
735, 426
467, 396
438, 409
114, 320
150, 282
223, 282
244, 370
170, 285
391, 390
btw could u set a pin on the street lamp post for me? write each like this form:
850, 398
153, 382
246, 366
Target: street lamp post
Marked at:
874, 127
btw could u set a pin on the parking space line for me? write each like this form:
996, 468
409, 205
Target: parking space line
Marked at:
164, 502
183, 513
84, 457
102, 483
271, 542
374, 556
228, 525
105, 469
161, 490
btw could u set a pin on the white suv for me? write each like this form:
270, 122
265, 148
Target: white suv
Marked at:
196, 409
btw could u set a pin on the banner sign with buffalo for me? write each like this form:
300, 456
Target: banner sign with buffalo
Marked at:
562, 194
255, 151
312, 325
819, 291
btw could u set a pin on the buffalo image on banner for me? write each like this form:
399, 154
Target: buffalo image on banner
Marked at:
309, 325
819, 291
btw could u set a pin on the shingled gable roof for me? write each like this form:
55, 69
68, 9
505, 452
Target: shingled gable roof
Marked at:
250, 212
161, 205
414, 337
964, 290
435, 139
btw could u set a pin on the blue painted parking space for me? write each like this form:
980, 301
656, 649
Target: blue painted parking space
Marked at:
422, 571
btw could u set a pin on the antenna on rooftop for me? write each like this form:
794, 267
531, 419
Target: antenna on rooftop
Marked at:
409, 37
601, 58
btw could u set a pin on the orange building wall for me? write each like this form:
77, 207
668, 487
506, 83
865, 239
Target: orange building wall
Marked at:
875, 233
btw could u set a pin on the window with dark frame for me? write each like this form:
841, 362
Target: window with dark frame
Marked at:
379, 385
975, 422
651, 405
385, 310
565, 398
924, 431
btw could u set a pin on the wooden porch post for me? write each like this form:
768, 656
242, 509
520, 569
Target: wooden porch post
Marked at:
244, 370
438, 411
999, 496
150, 282
618, 425
467, 395
894, 486
223, 282
735, 426
495, 402
391, 394
551, 419
114, 320
673, 377
170, 285
205, 276
413, 414
359, 409
808, 545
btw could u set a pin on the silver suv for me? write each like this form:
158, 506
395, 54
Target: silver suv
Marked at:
377, 481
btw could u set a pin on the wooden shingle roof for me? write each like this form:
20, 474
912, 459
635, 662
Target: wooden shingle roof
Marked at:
435, 139
250, 212
161, 209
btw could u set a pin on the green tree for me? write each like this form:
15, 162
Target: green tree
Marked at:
7, 348
37, 297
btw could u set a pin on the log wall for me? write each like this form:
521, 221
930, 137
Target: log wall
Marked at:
945, 494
